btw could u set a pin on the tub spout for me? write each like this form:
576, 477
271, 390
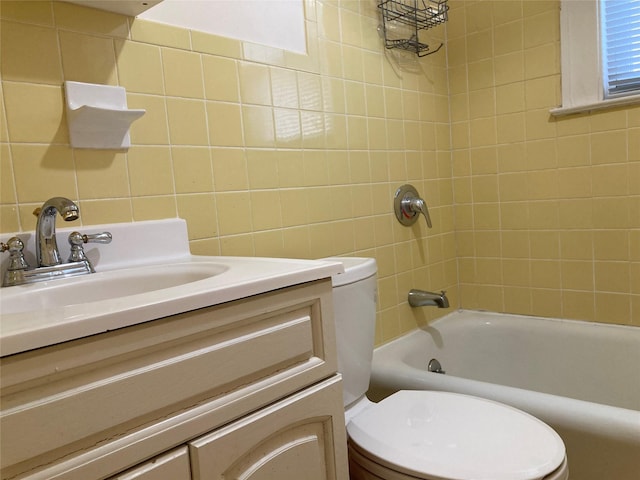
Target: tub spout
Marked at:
420, 298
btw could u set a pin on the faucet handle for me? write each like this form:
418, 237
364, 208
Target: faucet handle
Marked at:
104, 237
17, 264
418, 205
408, 206
77, 239
15, 246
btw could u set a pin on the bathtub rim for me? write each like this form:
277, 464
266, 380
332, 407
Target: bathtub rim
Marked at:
390, 372
502, 315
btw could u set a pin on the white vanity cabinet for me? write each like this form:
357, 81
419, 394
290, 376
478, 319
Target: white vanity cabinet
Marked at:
244, 389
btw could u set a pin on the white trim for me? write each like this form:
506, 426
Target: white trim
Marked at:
580, 53
599, 105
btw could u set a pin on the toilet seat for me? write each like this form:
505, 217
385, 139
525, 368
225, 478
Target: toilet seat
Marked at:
361, 467
444, 436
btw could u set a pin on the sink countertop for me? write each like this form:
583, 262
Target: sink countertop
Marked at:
243, 277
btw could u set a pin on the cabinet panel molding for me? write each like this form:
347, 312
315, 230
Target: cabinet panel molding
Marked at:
173, 465
77, 405
297, 437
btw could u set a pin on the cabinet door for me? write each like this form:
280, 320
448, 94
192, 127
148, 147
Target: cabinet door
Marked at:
173, 465
300, 437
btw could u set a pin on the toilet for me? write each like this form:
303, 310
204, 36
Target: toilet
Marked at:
427, 435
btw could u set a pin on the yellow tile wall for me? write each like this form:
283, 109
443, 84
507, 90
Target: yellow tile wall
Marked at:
547, 209
262, 151
266, 152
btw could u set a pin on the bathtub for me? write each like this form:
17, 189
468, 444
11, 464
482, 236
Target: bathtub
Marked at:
581, 378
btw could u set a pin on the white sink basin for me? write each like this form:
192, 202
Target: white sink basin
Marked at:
104, 286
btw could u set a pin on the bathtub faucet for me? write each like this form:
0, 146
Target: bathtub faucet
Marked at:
420, 298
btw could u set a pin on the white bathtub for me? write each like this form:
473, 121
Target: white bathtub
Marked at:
581, 378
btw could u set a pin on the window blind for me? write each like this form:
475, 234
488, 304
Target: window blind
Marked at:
621, 46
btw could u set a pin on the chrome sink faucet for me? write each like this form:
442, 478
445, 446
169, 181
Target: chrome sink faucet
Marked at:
49, 263
47, 253
420, 298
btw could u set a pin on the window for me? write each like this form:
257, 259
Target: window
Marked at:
600, 48
620, 23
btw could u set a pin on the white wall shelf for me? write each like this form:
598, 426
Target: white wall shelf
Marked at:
124, 7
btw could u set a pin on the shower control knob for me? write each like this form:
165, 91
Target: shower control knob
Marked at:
408, 206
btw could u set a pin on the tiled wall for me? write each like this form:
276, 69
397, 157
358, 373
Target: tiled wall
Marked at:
547, 209
263, 152
266, 152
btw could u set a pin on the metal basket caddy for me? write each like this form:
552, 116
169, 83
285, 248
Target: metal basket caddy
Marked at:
403, 19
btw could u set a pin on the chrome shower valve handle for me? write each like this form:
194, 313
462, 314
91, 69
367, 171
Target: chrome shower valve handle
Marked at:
418, 205
408, 206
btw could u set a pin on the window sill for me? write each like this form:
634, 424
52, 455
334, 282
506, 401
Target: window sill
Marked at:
602, 105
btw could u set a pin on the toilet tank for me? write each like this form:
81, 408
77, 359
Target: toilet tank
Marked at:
354, 304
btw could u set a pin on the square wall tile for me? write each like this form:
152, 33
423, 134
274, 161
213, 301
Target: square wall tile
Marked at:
268, 243
192, 171
145, 31
150, 171
609, 147
265, 210
220, 78
42, 172
32, 12
88, 58
262, 168
234, 212
152, 128
182, 73
154, 208
295, 242
215, 44
48, 126
199, 210
612, 308
139, 67
29, 53
101, 174
578, 305
229, 169
258, 126
255, 84
10, 219
224, 121
187, 121
284, 87
107, 210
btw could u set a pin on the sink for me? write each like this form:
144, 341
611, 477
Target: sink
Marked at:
105, 286
146, 273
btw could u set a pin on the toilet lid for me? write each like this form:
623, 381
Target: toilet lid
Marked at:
454, 436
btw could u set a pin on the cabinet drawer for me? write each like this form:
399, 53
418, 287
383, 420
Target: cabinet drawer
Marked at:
73, 396
301, 437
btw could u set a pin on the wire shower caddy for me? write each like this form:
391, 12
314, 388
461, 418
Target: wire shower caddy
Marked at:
405, 18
